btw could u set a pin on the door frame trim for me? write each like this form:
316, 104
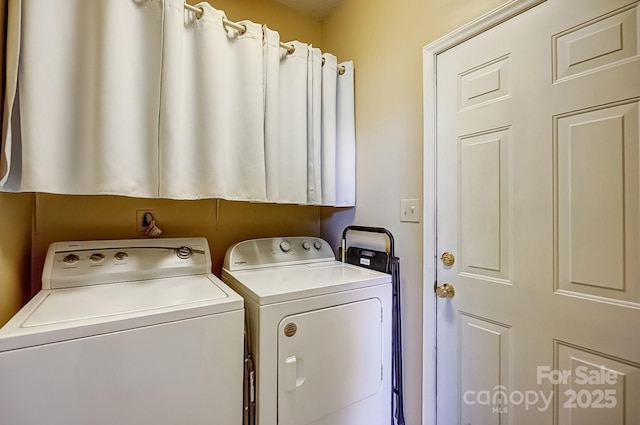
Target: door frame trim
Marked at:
430, 54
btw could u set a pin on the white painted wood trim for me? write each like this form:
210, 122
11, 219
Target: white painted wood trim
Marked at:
430, 52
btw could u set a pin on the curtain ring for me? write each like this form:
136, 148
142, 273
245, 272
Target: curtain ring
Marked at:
200, 13
290, 48
241, 28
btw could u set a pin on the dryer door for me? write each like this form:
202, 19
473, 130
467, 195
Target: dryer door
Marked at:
329, 360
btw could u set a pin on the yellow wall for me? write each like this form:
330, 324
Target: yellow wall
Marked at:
60, 217
290, 24
385, 41
15, 250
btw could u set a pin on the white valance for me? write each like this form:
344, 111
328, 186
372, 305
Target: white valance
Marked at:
142, 98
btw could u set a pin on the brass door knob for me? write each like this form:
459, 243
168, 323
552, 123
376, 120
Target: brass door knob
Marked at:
448, 259
445, 290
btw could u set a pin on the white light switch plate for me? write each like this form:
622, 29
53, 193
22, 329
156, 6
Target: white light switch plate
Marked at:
410, 210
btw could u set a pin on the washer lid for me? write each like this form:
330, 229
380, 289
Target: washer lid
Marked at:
285, 283
61, 314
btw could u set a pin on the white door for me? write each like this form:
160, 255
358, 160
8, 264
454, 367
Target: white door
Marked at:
538, 201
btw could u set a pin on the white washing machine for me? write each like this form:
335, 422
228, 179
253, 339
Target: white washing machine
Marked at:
134, 332
320, 332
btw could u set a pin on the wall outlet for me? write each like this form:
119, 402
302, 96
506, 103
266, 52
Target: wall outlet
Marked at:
141, 223
410, 210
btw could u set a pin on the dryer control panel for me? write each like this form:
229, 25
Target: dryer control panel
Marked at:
83, 263
256, 253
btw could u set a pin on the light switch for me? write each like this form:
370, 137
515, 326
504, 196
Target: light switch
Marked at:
410, 210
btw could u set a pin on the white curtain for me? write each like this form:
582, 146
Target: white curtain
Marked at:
329, 108
314, 127
329, 176
211, 117
12, 55
286, 120
345, 139
85, 108
142, 98
272, 54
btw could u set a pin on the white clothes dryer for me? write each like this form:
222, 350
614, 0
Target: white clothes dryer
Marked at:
126, 332
320, 332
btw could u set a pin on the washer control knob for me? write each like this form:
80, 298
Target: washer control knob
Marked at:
317, 244
120, 255
306, 245
285, 246
71, 259
97, 257
184, 252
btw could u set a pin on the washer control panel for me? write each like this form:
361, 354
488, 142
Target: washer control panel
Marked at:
256, 253
70, 264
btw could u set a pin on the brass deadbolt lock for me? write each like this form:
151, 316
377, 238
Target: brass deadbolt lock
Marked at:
448, 259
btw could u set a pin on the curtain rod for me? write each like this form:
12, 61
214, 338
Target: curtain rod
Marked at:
242, 29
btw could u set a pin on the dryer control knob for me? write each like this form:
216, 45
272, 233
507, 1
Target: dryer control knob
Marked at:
317, 244
120, 255
306, 245
97, 257
285, 246
71, 259
184, 252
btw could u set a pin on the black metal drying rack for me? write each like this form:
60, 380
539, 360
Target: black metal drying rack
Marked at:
385, 262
